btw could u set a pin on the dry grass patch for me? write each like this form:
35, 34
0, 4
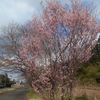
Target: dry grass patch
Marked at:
92, 93
17, 86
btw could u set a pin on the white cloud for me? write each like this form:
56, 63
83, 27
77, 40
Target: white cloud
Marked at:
22, 10
17, 10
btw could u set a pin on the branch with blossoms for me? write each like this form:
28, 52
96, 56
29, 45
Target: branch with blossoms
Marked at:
56, 45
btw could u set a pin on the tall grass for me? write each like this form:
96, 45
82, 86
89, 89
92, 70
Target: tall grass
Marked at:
89, 92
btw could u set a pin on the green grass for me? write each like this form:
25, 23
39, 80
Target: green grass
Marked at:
32, 95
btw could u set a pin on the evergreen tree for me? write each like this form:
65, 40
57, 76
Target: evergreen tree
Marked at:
96, 53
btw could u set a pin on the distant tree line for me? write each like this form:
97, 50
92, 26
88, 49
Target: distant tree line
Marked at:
5, 81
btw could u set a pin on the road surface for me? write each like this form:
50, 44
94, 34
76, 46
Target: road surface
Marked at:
15, 95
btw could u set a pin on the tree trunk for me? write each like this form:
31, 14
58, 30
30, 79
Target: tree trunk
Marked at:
52, 95
62, 97
70, 91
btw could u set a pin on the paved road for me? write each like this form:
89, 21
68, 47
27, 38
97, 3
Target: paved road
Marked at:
15, 95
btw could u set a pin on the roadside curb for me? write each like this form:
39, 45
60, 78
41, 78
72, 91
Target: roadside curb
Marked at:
8, 90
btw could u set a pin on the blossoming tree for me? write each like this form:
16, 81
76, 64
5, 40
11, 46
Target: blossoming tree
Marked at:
55, 46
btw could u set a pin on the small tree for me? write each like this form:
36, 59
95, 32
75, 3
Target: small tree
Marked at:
55, 46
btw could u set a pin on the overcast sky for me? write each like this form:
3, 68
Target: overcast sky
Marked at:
18, 10
22, 10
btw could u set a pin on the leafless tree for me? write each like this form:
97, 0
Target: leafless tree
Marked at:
9, 48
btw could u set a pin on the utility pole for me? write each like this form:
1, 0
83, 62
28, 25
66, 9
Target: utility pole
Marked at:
5, 79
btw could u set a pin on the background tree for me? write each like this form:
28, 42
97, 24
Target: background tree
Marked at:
57, 44
96, 53
10, 42
90, 73
5, 81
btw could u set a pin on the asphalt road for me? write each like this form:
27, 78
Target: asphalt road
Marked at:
15, 95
